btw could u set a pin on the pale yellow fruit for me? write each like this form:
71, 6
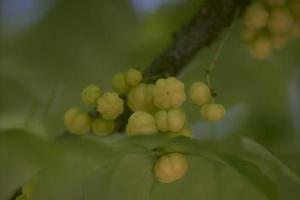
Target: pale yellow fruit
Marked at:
295, 8
77, 121
133, 77
212, 112
280, 22
140, 98
70, 113
172, 120
171, 167
200, 93
296, 31
176, 120
248, 34
261, 48
90, 94
276, 2
110, 105
119, 83
102, 127
279, 41
161, 118
141, 123
168, 93
256, 16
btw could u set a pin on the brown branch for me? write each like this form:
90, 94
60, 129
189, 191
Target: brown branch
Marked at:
204, 28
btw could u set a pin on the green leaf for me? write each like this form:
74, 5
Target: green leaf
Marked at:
22, 155
207, 180
98, 184
132, 179
252, 173
262, 156
78, 159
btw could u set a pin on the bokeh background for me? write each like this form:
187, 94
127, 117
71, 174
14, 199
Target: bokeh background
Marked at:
51, 49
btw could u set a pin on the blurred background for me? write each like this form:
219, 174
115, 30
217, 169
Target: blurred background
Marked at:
51, 49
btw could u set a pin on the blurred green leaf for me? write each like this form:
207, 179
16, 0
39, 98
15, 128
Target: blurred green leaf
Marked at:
132, 179
252, 173
22, 155
89, 167
78, 159
264, 157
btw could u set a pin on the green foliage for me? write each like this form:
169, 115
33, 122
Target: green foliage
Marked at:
22, 155
120, 167
44, 69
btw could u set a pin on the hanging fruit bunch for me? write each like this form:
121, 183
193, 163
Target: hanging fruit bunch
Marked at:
270, 24
156, 109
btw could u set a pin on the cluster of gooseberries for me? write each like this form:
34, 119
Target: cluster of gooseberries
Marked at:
270, 24
156, 109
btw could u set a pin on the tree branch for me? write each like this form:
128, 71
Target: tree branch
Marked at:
204, 28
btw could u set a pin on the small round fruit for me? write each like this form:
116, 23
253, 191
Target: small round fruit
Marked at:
141, 123
161, 118
200, 93
276, 2
172, 120
279, 41
110, 105
256, 16
133, 77
294, 6
280, 22
77, 121
248, 34
171, 167
90, 94
296, 31
212, 112
102, 127
140, 98
119, 83
168, 93
261, 48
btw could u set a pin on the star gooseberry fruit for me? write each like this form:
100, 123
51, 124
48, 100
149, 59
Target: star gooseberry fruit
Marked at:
141, 123
77, 121
256, 16
103, 127
168, 93
261, 48
276, 2
110, 105
90, 94
281, 21
171, 167
133, 77
212, 112
119, 83
141, 98
200, 93
172, 120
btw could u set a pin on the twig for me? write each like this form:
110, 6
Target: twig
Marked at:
204, 28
